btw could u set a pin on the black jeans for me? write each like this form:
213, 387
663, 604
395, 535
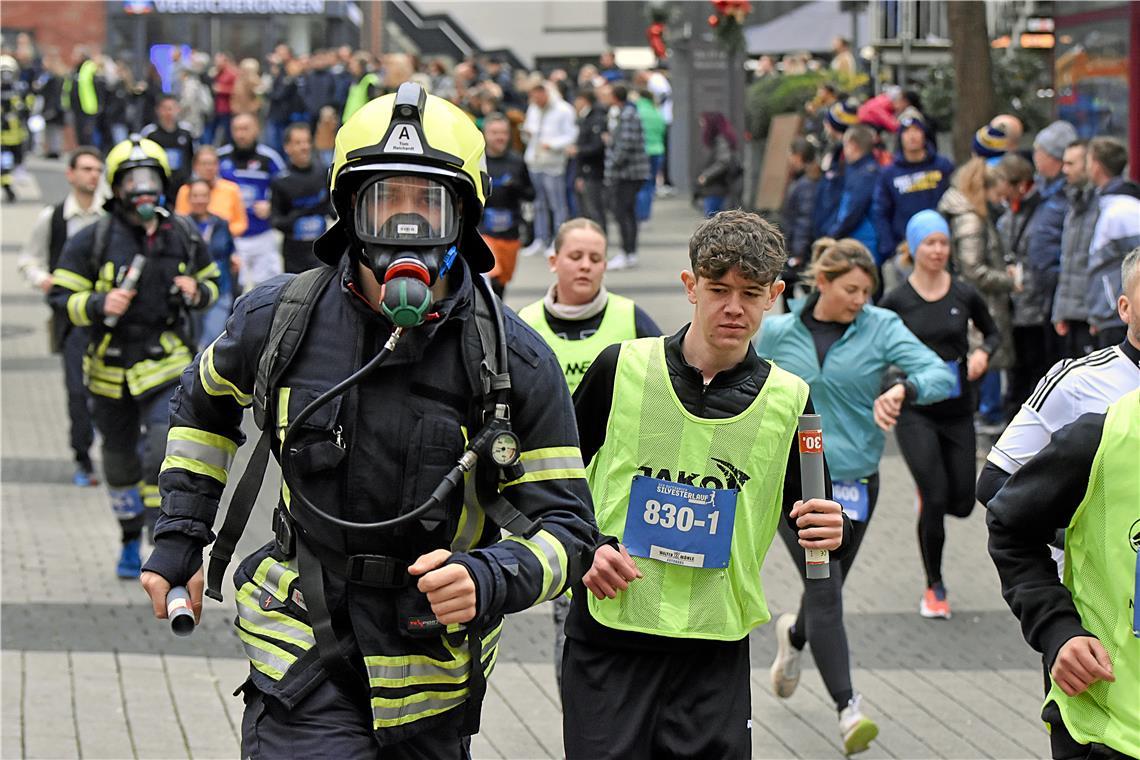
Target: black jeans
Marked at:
1033, 358
1113, 336
592, 200
623, 203
82, 431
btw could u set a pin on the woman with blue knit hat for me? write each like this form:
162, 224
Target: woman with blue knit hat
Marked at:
937, 440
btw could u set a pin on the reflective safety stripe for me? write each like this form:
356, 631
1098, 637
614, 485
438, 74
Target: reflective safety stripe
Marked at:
216, 385
150, 495
151, 373
275, 577
387, 713
106, 279
211, 288
200, 452
208, 272
551, 556
396, 672
553, 463
77, 308
65, 278
272, 623
472, 519
271, 660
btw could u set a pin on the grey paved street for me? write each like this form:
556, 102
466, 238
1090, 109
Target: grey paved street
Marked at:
87, 672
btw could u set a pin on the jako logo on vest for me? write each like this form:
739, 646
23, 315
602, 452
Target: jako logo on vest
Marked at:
1134, 536
731, 478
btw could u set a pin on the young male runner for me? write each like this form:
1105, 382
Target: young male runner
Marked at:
690, 474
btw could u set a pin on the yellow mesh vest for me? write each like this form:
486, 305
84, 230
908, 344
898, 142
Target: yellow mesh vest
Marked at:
575, 356
1100, 566
650, 431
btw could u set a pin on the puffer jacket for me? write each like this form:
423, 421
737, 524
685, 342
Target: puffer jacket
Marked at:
979, 257
1076, 236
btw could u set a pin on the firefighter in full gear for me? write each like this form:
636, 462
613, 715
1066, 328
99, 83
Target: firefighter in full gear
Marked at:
414, 417
14, 114
131, 278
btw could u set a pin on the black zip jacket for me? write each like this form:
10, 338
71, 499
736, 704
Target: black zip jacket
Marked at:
728, 394
591, 158
300, 200
1037, 501
510, 186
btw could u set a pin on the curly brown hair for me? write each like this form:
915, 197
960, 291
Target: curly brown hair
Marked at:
738, 240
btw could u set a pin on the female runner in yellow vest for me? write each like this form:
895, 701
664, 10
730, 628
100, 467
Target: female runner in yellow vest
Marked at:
689, 441
577, 318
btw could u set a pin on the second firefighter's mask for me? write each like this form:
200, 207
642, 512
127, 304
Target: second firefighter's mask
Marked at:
140, 189
407, 226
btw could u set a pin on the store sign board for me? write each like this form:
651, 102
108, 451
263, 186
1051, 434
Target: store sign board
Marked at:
257, 7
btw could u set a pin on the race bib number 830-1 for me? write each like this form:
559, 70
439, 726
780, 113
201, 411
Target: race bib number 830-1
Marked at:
680, 524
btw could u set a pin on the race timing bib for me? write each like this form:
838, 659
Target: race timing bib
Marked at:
498, 219
955, 368
852, 496
309, 227
174, 159
680, 524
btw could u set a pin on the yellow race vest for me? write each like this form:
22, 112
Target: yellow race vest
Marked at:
1101, 544
650, 434
576, 356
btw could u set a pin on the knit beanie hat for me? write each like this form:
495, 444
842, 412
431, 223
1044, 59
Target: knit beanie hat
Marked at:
922, 225
911, 117
843, 114
990, 142
1055, 138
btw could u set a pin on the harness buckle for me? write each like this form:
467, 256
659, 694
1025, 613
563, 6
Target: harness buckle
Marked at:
376, 571
284, 535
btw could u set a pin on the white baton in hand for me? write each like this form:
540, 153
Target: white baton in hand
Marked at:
811, 480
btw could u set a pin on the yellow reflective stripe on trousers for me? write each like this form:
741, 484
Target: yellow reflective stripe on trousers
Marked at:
77, 308
551, 555
216, 385
275, 577
271, 660
553, 463
271, 623
388, 713
65, 278
200, 452
396, 672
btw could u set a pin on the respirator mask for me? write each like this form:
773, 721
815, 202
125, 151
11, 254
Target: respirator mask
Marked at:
407, 226
140, 190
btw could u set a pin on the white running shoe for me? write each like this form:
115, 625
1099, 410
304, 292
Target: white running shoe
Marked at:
785, 669
550, 250
630, 260
617, 262
536, 247
857, 730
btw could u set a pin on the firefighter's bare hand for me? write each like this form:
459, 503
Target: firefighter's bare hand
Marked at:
612, 571
188, 285
47, 283
820, 523
157, 588
1081, 662
450, 588
117, 302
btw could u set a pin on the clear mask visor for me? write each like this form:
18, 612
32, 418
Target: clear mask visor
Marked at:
141, 180
406, 209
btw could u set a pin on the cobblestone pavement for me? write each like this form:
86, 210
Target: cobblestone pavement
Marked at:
87, 672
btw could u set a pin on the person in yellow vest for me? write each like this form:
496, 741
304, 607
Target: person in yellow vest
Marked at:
365, 87
578, 318
691, 464
1085, 624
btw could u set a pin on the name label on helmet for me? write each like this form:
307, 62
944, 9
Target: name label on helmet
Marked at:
404, 139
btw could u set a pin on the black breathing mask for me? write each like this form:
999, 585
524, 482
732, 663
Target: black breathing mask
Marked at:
140, 190
407, 226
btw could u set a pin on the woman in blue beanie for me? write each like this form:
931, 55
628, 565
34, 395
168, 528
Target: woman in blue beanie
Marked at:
937, 440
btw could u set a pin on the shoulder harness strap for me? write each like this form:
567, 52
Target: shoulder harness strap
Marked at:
291, 316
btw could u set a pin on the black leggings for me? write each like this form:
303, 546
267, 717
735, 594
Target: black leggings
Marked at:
940, 454
820, 618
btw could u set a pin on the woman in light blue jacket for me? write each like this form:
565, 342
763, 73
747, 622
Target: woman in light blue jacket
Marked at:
862, 364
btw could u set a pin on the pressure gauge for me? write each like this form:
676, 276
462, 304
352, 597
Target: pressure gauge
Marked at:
505, 448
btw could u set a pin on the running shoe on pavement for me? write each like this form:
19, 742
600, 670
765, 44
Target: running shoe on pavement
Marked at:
536, 247
857, 730
785, 670
934, 603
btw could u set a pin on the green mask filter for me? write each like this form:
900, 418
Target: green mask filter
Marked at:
406, 300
